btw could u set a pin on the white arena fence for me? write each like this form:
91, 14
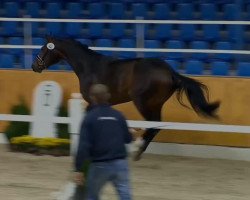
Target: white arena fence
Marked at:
158, 148
144, 124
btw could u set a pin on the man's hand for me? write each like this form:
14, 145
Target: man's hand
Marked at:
135, 131
79, 178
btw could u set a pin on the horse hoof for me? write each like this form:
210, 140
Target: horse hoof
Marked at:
138, 155
137, 158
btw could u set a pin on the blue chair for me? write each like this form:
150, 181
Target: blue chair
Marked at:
231, 12
187, 32
211, 32
163, 31
74, 10
155, 1
235, 33
73, 29
247, 17
174, 44
55, 67
34, 55
131, 31
147, 31
126, 43
16, 41
97, 10
208, 11
1, 42
116, 11
185, 11
194, 67
95, 30
225, 1
139, 10
87, 42
53, 28
32, 9
199, 45
37, 41
223, 46
21, 61
60, 67
152, 44
105, 43
35, 29
9, 29
129, 2
117, 31
174, 64
161, 11
220, 68
6, 61
53, 10
11, 9
243, 69
91, 1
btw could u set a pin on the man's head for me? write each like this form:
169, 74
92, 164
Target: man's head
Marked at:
99, 94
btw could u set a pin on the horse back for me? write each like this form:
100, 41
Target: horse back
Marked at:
150, 73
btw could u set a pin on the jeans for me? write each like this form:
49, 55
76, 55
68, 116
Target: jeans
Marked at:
115, 171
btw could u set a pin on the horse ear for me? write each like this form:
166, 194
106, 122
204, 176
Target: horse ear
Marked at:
48, 37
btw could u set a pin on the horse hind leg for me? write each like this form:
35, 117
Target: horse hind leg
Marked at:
147, 137
150, 133
149, 104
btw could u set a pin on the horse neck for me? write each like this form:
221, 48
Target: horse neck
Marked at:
81, 60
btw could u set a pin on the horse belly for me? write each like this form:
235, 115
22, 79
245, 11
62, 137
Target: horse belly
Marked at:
120, 92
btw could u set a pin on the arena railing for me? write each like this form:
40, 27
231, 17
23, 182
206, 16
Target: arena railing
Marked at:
138, 22
144, 124
127, 21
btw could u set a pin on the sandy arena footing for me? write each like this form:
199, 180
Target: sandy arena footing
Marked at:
29, 177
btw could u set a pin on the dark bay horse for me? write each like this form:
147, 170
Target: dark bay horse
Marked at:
148, 82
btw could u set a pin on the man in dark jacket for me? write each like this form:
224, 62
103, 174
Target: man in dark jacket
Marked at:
103, 136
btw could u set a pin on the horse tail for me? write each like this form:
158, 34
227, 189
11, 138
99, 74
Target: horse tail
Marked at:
197, 94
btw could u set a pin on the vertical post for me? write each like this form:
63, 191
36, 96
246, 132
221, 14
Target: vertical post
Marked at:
76, 112
27, 33
239, 30
140, 37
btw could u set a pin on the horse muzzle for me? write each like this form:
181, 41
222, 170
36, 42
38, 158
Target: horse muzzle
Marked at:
36, 68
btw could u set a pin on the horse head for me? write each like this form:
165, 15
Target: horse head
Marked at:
49, 55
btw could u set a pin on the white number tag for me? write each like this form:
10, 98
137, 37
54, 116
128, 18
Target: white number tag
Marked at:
50, 46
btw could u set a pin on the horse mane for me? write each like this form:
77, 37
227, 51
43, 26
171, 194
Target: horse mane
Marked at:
84, 47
